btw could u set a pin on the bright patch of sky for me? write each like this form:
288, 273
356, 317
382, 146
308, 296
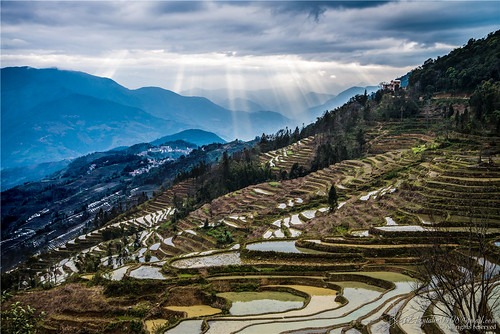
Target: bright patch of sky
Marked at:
311, 45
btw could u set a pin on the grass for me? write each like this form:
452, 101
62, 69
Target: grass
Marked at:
274, 184
186, 275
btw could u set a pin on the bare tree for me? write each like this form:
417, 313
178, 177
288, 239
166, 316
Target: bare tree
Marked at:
463, 285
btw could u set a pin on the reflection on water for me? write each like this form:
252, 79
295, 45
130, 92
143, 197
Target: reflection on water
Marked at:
281, 246
244, 303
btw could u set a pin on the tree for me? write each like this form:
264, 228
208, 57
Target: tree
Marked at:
333, 198
461, 284
451, 111
360, 138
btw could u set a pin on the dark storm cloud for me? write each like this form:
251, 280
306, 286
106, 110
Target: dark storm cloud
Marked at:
366, 32
439, 22
316, 7
258, 28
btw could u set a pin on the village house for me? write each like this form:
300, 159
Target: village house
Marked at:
393, 85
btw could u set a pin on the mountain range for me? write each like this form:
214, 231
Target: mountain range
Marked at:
50, 115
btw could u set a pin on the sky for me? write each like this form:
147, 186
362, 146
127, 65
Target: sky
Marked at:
311, 45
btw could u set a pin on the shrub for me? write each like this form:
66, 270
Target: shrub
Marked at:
19, 320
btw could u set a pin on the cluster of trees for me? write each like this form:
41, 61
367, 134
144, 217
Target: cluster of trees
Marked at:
196, 171
343, 132
399, 105
233, 173
102, 217
87, 263
281, 139
485, 106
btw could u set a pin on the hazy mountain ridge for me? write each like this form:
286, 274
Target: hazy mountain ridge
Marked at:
287, 102
340, 99
50, 114
12, 177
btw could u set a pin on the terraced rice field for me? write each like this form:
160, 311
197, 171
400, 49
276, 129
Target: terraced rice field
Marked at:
301, 153
287, 237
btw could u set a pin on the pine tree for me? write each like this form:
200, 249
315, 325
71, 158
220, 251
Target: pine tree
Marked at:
333, 198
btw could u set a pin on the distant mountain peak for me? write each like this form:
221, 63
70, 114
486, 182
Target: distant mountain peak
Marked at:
195, 136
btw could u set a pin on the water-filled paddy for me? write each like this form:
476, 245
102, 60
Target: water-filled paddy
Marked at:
296, 220
361, 233
222, 259
118, 274
353, 310
276, 246
385, 275
244, 303
407, 228
413, 310
346, 314
260, 191
321, 299
380, 326
390, 222
294, 232
147, 272
280, 246
279, 234
309, 214
188, 326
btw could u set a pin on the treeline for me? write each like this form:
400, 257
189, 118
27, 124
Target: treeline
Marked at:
281, 139
462, 70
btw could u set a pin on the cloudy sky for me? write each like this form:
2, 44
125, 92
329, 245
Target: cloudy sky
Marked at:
316, 46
